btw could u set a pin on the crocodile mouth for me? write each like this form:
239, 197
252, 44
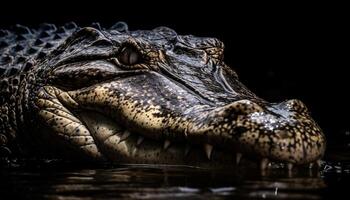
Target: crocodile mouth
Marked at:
102, 125
100, 136
120, 145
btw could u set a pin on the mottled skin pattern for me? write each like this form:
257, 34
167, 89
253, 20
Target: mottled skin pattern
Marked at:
140, 97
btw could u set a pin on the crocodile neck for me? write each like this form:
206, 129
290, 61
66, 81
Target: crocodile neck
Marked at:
14, 95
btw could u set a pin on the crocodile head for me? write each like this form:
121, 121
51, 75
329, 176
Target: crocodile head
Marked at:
158, 97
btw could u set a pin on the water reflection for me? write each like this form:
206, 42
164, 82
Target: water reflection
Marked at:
57, 181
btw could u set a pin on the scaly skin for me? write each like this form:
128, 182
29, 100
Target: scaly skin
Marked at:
142, 97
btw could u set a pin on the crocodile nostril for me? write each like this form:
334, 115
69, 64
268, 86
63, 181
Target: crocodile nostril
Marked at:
295, 105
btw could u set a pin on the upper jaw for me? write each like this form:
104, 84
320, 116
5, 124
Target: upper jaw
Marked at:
101, 136
215, 127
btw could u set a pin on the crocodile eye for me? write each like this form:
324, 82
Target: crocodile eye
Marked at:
129, 56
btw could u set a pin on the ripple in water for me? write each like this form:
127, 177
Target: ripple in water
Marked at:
56, 180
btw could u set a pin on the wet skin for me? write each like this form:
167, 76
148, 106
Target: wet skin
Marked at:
158, 97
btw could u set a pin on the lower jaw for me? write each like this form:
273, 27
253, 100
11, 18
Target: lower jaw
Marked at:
107, 135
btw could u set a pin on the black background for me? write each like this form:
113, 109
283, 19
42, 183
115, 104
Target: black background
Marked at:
279, 50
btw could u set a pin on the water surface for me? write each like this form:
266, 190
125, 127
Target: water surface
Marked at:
61, 180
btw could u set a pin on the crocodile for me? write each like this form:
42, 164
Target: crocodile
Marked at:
143, 96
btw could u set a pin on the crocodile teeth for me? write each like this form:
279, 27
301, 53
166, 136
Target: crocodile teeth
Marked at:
125, 135
318, 163
208, 150
311, 165
139, 140
187, 150
166, 144
264, 163
238, 158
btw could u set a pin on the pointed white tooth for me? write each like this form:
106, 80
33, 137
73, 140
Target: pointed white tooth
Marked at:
187, 150
166, 144
208, 150
318, 163
264, 163
139, 140
238, 158
125, 135
185, 132
290, 166
311, 165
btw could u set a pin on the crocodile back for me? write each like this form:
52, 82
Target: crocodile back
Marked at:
21, 46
